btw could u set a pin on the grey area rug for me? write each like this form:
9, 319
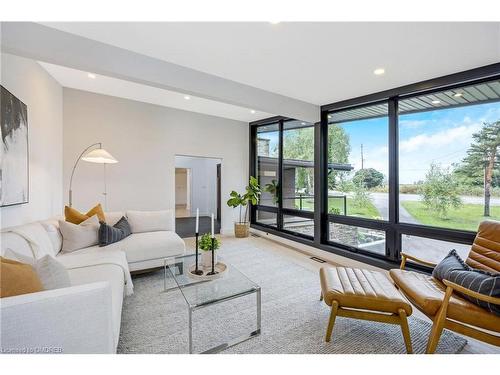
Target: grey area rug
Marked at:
293, 318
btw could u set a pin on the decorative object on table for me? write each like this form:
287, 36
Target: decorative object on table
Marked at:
212, 249
220, 268
97, 155
196, 270
14, 167
251, 196
207, 254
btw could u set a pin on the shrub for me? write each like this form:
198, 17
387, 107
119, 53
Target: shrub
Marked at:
440, 191
206, 242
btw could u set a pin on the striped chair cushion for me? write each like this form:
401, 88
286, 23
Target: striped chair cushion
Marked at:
454, 269
109, 234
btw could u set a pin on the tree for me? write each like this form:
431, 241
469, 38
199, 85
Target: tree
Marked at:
368, 177
440, 190
482, 159
339, 149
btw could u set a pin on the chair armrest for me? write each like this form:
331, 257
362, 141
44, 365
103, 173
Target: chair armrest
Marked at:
405, 257
76, 319
471, 293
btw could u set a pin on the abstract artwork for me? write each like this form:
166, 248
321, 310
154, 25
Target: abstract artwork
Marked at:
14, 173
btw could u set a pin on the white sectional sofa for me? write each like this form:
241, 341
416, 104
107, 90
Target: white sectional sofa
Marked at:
86, 317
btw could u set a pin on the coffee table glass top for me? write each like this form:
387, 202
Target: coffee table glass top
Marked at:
196, 292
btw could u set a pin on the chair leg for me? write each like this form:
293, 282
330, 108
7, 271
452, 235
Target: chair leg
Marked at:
406, 331
438, 323
331, 321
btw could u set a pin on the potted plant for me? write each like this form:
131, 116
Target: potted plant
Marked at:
205, 246
251, 196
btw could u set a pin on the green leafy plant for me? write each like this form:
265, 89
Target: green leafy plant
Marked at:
272, 188
440, 191
361, 197
334, 211
205, 243
251, 196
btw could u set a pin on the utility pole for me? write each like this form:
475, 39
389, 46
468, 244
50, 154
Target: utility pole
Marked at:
362, 159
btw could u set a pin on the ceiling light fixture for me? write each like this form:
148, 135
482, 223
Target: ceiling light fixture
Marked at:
302, 123
379, 71
187, 97
458, 94
274, 22
91, 75
252, 111
436, 101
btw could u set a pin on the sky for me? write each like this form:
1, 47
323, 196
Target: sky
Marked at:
441, 136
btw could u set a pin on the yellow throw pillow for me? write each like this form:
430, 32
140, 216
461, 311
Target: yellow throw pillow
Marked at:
17, 278
76, 217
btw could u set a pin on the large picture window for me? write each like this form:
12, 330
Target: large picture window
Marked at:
358, 166
448, 159
412, 169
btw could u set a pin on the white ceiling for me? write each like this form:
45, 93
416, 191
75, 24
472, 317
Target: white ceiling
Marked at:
78, 79
318, 63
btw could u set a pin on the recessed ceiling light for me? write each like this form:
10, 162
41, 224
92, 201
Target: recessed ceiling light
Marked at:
302, 123
187, 97
252, 111
436, 101
91, 75
274, 22
329, 116
379, 71
458, 94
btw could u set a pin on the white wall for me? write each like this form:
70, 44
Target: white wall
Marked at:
145, 139
28, 81
181, 186
203, 183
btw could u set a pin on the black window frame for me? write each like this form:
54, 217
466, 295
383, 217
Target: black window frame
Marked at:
393, 228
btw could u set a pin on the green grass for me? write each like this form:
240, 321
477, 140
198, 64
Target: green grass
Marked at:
467, 217
368, 211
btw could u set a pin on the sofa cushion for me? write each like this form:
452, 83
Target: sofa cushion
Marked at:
110, 234
427, 293
80, 236
17, 278
152, 245
76, 217
151, 221
52, 228
113, 217
52, 273
105, 272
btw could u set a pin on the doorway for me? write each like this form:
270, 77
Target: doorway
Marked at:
182, 192
197, 186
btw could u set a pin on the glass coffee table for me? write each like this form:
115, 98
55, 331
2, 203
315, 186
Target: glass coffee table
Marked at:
203, 293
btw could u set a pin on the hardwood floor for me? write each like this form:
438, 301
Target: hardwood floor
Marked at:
302, 257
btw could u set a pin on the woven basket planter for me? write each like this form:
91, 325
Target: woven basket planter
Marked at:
241, 230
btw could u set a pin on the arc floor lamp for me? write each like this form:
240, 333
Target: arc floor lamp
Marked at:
97, 155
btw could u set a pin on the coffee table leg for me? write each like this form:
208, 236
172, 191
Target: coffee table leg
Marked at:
164, 274
259, 311
190, 339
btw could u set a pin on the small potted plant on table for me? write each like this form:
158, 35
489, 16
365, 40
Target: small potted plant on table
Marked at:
251, 196
206, 248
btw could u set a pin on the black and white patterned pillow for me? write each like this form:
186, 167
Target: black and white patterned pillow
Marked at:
454, 269
110, 234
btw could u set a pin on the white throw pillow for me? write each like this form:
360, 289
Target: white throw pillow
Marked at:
150, 221
79, 236
52, 228
113, 217
52, 273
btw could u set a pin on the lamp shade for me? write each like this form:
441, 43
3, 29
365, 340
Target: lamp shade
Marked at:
99, 155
